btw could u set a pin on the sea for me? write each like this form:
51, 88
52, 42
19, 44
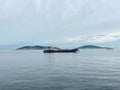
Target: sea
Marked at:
88, 69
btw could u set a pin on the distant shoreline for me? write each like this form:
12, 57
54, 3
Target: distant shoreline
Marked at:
46, 47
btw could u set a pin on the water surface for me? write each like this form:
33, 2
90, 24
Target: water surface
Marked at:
85, 70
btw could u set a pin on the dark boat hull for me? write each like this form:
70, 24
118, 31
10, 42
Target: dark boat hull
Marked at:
61, 51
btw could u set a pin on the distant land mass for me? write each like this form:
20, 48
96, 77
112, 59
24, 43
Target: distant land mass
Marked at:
32, 48
94, 47
46, 47
35, 47
91, 47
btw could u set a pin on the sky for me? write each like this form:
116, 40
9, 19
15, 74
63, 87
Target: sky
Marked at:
59, 22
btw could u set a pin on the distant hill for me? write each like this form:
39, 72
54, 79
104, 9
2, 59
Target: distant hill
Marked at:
47, 47
91, 47
36, 47
32, 48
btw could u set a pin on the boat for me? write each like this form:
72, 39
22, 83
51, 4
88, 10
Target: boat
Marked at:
61, 50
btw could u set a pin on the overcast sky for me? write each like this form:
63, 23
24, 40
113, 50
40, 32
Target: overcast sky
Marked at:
42, 22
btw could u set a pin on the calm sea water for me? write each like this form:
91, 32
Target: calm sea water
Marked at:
85, 70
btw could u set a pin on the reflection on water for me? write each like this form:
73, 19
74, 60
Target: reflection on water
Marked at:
34, 70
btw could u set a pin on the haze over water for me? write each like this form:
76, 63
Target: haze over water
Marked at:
85, 70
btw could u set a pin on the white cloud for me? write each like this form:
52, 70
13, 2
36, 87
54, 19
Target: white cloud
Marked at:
100, 39
95, 39
75, 39
104, 38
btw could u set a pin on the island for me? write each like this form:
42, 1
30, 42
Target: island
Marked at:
94, 47
37, 47
90, 47
32, 48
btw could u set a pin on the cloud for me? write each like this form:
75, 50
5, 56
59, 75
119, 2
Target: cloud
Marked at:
59, 21
95, 39
100, 39
104, 38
